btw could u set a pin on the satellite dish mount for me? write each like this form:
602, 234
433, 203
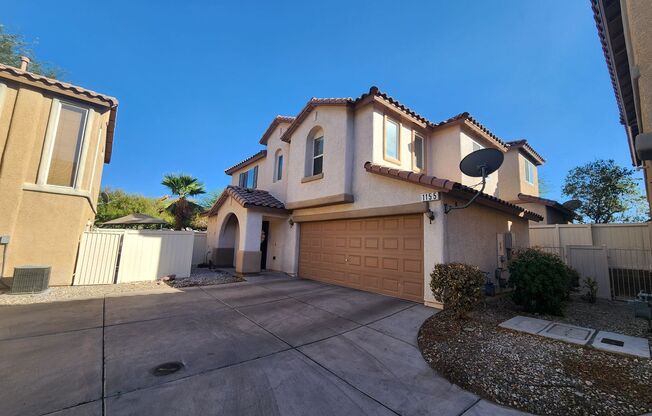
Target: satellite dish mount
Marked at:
479, 164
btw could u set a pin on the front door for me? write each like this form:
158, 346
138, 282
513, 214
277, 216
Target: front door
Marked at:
263, 245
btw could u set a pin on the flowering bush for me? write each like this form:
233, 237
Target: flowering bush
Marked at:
457, 286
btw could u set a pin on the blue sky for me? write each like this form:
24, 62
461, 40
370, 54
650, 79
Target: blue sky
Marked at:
199, 81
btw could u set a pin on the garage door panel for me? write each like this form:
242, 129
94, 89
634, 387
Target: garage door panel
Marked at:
383, 254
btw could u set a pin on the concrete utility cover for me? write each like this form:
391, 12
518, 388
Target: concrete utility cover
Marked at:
525, 324
568, 333
608, 341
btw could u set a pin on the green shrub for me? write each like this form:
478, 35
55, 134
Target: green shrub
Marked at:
457, 286
540, 281
573, 278
591, 286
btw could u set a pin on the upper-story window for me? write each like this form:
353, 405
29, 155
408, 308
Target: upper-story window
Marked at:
529, 172
392, 140
62, 161
476, 146
278, 170
419, 158
249, 179
318, 155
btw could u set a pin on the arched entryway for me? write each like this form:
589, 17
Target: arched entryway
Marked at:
228, 241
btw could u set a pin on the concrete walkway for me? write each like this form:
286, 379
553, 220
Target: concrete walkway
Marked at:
270, 346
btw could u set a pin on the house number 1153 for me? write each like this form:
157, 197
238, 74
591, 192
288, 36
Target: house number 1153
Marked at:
430, 196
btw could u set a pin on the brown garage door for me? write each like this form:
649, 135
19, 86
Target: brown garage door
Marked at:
383, 254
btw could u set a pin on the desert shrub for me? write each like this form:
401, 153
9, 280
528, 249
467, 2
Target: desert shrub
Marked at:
540, 281
591, 286
457, 286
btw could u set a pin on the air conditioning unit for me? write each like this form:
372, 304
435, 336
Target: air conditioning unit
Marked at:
30, 279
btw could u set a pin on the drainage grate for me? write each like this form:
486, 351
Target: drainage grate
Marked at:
166, 369
612, 342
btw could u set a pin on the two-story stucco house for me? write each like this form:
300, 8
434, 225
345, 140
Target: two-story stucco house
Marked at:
54, 141
337, 195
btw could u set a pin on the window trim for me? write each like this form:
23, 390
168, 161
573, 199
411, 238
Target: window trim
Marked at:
529, 164
315, 157
423, 151
50, 139
398, 140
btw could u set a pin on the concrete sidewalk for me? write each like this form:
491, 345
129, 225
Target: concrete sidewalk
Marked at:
270, 346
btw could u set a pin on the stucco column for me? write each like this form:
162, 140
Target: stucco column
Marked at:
434, 248
248, 257
291, 263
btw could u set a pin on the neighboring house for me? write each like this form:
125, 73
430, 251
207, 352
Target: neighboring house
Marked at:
54, 140
337, 195
625, 30
523, 188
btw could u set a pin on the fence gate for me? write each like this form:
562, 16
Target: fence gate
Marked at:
593, 262
98, 258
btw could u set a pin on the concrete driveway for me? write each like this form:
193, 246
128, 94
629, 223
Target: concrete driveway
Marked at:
272, 345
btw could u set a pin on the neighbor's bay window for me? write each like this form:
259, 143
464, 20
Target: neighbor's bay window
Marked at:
249, 179
318, 155
392, 141
63, 156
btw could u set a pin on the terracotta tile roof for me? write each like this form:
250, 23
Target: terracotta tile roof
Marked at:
30, 78
277, 120
394, 103
609, 22
453, 188
251, 159
523, 144
465, 117
248, 198
547, 202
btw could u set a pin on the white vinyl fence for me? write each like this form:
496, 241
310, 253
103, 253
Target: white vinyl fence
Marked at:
618, 256
119, 256
200, 249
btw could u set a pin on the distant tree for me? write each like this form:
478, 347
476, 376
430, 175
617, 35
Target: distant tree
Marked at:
608, 193
116, 203
182, 208
13, 46
208, 200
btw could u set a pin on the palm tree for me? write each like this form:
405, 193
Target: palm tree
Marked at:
183, 209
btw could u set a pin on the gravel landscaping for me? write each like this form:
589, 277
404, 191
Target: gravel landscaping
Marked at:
67, 293
205, 277
540, 375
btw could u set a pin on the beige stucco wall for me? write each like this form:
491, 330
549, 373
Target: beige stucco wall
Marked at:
44, 227
471, 234
335, 121
511, 176
445, 153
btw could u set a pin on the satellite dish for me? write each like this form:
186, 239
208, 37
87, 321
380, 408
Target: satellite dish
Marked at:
572, 204
479, 164
482, 163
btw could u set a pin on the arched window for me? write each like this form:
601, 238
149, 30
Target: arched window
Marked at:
278, 166
315, 152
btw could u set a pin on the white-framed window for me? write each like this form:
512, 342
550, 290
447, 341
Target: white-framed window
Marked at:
278, 173
318, 155
392, 140
64, 152
419, 154
476, 146
249, 179
529, 172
